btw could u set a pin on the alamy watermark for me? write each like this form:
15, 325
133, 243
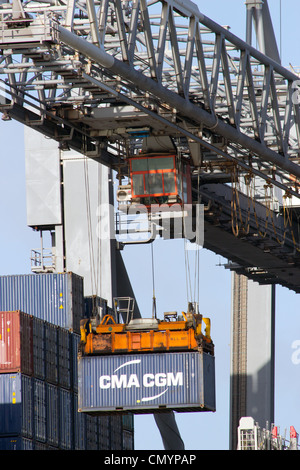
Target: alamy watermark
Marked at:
137, 223
296, 352
296, 92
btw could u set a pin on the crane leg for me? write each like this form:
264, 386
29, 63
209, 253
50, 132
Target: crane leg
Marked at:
169, 431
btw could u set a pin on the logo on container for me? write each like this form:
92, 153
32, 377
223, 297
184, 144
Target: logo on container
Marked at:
147, 380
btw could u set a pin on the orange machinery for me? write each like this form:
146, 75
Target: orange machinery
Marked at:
146, 335
157, 179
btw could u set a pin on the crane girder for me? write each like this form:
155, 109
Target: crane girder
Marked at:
93, 73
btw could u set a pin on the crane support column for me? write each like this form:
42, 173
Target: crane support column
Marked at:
252, 353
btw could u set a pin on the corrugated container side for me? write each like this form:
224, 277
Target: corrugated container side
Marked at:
128, 422
54, 297
16, 419
91, 433
104, 429
76, 290
128, 440
66, 419
52, 415
116, 432
40, 406
79, 426
144, 383
16, 347
27, 406
39, 347
64, 358
51, 348
94, 305
75, 340
16, 443
40, 446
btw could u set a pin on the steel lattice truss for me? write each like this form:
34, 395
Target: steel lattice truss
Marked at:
91, 73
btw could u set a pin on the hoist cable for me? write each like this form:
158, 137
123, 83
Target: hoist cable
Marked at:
153, 284
187, 273
89, 224
197, 248
99, 234
193, 285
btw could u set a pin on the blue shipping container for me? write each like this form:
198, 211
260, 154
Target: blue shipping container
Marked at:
51, 358
16, 443
39, 348
79, 426
40, 407
16, 405
52, 411
56, 298
66, 419
75, 340
144, 383
64, 358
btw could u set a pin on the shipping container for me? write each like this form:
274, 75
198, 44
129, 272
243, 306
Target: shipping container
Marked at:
52, 418
51, 357
53, 297
79, 426
40, 410
145, 383
16, 346
75, 340
94, 305
128, 422
16, 405
116, 432
40, 446
128, 440
16, 443
104, 428
92, 442
66, 419
39, 348
64, 358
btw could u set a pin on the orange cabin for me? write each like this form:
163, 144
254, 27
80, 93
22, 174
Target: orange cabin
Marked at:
160, 180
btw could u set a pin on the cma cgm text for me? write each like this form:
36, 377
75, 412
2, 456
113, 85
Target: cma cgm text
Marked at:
148, 380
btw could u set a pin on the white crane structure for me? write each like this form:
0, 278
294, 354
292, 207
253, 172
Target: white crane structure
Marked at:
98, 76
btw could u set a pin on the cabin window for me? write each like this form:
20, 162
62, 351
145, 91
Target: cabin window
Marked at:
138, 184
153, 183
153, 163
157, 178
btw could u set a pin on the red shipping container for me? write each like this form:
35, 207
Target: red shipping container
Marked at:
16, 343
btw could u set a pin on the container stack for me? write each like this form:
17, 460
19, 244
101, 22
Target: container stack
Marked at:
38, 370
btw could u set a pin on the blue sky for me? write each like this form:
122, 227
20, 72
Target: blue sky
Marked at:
198, 430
